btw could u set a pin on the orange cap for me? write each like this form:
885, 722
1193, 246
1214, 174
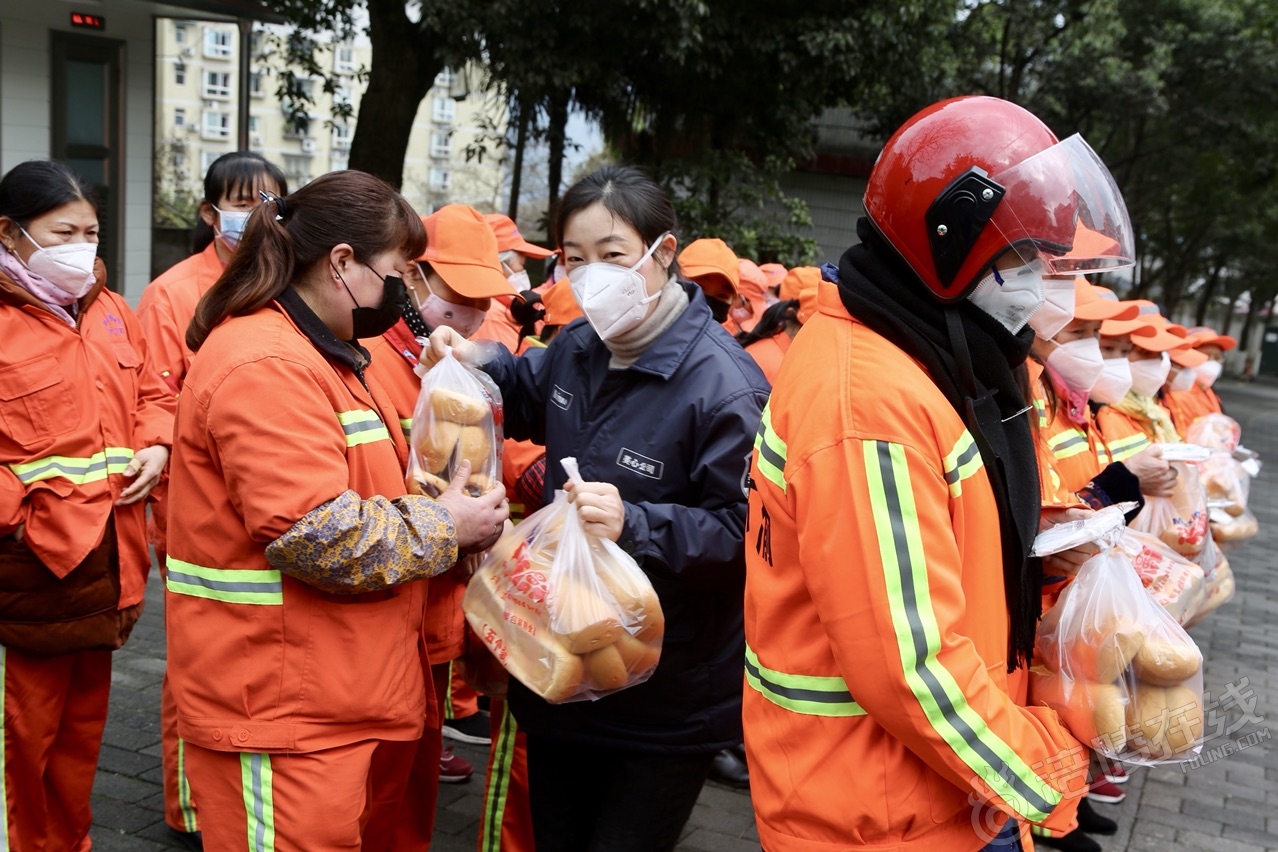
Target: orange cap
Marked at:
707, 261
805, 281
560, 304
754, 284
509, 238
1098, 303
1203, 336
1188, 357
463, 250
1150, 330
774, 272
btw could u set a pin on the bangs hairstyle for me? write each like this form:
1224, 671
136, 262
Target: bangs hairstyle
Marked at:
285, 238
238, 175
629, 195
35, 187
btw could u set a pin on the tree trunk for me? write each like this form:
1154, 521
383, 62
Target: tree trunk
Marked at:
1209, 291
1229, 314
558, 140
1253, 311
402, 70
517, 166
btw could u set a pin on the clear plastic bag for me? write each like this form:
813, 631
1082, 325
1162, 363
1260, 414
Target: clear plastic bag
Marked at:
1217, 431
1226, 483
1219, 591
570, 615
1179, 521
1177, 584
458, 416
1124, 677
1101, 524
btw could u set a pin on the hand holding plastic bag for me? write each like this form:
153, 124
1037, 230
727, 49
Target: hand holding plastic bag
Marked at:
1121, 673
1179, 521
458, 416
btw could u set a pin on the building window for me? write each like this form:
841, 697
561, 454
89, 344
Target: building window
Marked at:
179, 74
341, 136
342, 95
217, 43
444, 78
338, 162
206, 160
256, 42
217, 84
441, 179
179, 117
444, 110
216, 125
179, 33
255, 84
297, 169
254, 124
344, 60
441, 145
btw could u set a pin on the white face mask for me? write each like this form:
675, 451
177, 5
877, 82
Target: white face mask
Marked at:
1114, 382
1150, 374
1079, 363
1184, 380
613, 298
1209, 372
231, 226
68, 267
1057, 310
1011, 296
520, 280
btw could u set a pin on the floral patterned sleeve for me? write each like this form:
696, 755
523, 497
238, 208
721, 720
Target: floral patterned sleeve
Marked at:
350, 545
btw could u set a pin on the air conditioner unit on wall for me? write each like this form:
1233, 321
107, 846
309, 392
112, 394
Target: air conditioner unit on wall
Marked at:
188, 52
308, 146
257, 141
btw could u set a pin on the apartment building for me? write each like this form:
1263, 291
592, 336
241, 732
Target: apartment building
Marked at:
197, 66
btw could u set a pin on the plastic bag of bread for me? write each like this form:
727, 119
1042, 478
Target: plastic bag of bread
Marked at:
1177, 584
458, 416
1226, 483
571, 616
1216, 431
1179, 521
1219, 591
1119, 670
1230, 530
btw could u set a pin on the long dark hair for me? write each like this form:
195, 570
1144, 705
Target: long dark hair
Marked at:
285, 238
237, 174
35, 187
627, 193
774, 321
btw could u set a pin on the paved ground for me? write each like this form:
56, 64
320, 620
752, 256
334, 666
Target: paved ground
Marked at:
1229, 804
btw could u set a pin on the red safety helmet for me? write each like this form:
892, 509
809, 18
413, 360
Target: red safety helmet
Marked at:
967, 179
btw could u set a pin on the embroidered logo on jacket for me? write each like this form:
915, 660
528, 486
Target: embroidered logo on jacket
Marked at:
640, 464
561, 397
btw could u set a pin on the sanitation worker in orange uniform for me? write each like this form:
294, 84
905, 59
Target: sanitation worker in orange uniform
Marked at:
890, 604
294, 594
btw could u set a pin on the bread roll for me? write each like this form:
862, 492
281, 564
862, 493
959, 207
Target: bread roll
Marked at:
1108, 654
437, 444
429, 484
1164, 721
1185, 708
479, 483
583, 619
1109, 713
457, 407
638, 602
475, 446
1166, 663
606, 669
638, 655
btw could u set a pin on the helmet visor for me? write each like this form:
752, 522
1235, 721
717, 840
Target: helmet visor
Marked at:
1064, 202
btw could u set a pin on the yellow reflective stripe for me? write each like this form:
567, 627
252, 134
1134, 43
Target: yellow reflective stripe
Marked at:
189, 822
498, 789
362, 426
79, 470
1068, 444
962, 462
1040, 405
228, 585
257, 783
808, 694
1125, 448
771, 450
918, 640
406, 425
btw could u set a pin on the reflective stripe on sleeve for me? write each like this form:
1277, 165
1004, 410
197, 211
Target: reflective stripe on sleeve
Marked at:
228, 585
406, 425
807, 694
79, 470
1125, 448
257, 781
771, 450
918, 641
1068, 444
1040, 407
362, 426
962, 462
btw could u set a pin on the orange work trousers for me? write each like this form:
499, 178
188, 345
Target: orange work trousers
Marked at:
460, 700
55, 709
179, 806
506, 823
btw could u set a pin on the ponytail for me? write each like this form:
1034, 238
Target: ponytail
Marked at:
283, 239
775, 320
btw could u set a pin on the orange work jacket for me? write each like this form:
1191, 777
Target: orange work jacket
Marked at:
767, 353
75, 404
1187, 406
878, 710
1124, 435
269, 429
1077, 453
394, 355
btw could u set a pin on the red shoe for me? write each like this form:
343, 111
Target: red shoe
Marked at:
1115, 773
1103, 790
453, 769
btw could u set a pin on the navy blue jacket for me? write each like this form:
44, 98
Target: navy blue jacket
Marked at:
674, 433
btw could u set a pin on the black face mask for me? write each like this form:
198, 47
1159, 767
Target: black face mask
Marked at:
374, 322
718, 309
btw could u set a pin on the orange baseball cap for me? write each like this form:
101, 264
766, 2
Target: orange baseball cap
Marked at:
754, 283
1098, 303
1150, 330
560, 304
1204, 336
774, 272
708, 261
806, 281
463, 250
1188, 357
509, 238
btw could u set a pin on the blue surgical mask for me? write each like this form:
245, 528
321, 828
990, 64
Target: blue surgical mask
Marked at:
231, 226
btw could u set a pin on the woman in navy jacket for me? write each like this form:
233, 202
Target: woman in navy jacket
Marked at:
660, 407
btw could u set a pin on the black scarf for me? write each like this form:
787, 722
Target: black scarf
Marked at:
880, 290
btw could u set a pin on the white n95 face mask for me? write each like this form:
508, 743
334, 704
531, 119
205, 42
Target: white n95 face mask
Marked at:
613, 298
1079, 363
1149, 374
1184, 379
520, 280
1114, 381
1057, 310
1011, 296
68, 267
1209, 372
